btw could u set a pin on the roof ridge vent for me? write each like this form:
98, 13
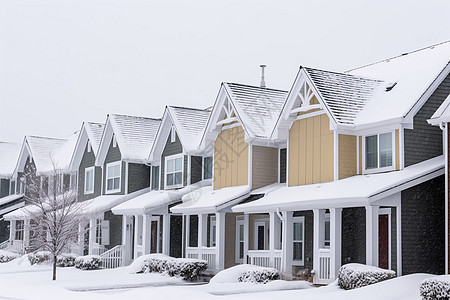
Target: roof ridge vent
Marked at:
263, 83
390, 86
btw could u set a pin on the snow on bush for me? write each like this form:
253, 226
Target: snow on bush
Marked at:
353, 276
188, 269
246, 273
39, 257
88, 262
66, 260
6, 256
435, 288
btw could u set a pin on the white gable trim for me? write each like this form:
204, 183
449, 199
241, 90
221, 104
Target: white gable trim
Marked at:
77, 155
104, 143
25, 151
161, 137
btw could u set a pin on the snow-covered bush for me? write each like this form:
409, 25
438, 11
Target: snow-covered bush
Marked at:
39, 257
6, 256
435, 288
260, 276
66, 260
88, 262
353, 276
188, 269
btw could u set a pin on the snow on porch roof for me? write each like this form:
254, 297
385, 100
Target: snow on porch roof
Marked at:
442, 114
357, 190
207, 200
155, 199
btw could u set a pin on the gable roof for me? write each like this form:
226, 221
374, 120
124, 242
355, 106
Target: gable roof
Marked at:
442, 114
95, 132
89, 131
9, 153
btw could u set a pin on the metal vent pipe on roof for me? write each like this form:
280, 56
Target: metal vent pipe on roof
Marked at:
263, 83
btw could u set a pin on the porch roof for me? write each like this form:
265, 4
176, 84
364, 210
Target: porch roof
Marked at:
207, 200
10, 198
359, 190
156, 199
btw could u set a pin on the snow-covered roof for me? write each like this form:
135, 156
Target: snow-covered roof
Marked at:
95, 132
11, 208
134, 136
10, 198
357, 190
207, 200
9, 154
258, 108
442, 114
91, 132
153, 200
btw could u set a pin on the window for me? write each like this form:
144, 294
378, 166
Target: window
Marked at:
12, 187
173, 134
155, 177
239, 240
113, 177
174, 171
21, 188
19, 230
212, 231
297, 239
378, 151
98, 231
89, 180
207, 167
73, 181
326, 241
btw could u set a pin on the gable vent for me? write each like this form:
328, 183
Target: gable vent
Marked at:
263, 83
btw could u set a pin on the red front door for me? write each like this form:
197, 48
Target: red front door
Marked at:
383, 241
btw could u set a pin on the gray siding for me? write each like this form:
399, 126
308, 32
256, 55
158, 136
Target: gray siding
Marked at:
185, 169
283, 160
423, 228
171, 149
196, 169
353, 235
4, 187
114, 155
115, 229
425, 141
309, 236
138, 177
264, 166
88, 160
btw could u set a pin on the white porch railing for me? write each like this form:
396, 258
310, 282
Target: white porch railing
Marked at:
323, 275
17, 246
112, 258
263, 258
4, 245
205, 253
99, 250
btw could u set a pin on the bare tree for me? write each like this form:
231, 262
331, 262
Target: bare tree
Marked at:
54, 213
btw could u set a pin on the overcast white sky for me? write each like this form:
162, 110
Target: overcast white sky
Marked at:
65, 62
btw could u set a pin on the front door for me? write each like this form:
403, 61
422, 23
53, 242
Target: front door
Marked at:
383, 241
261, 239
154, 236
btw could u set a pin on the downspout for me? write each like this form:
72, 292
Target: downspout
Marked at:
444, 129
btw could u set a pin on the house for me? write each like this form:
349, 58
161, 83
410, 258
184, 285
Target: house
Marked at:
43, 164
122, 157
441, 118
245, 160
176, 170
10, 198
364, 170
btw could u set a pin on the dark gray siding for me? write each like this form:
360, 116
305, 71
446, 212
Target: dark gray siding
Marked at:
4, 187
196, 168
309, 234
115, 229
138, 177
185, 169
155, 178
283, 165
425, 141
171, 149
114, 155
353, 235
423, 228
88, 160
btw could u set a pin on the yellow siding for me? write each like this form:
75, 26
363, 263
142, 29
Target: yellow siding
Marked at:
230, 158
347, 156
360, 154
397, 149
311, 146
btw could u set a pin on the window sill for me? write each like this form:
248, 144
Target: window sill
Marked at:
378, 170
112, 191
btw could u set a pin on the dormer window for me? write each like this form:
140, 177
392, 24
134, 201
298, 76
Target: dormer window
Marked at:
174, 171
173, 134
114, 141
378, 151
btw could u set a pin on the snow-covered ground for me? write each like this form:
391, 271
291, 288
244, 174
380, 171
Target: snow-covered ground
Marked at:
19, 280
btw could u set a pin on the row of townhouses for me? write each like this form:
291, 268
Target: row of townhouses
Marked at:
345, 167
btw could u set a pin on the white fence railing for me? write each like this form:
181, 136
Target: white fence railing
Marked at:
323, 275
112, 258
205, 253
266, 258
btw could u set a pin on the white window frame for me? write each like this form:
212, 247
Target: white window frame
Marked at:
203, 167
298, 220
326, 219
119, 163
378, 169
87, 170
212, 232
173, 157
13, 190
159, 176
239, 222
73, 181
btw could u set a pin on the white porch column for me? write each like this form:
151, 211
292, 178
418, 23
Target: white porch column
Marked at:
318, 220
12, 230
145, 234
372, 235
200, 235
335, 241
92, 232
81, 238
272, 238
188, 233
126, 248
26, 233
246, 237
166, 234
287, 238
220, 241
136, 234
